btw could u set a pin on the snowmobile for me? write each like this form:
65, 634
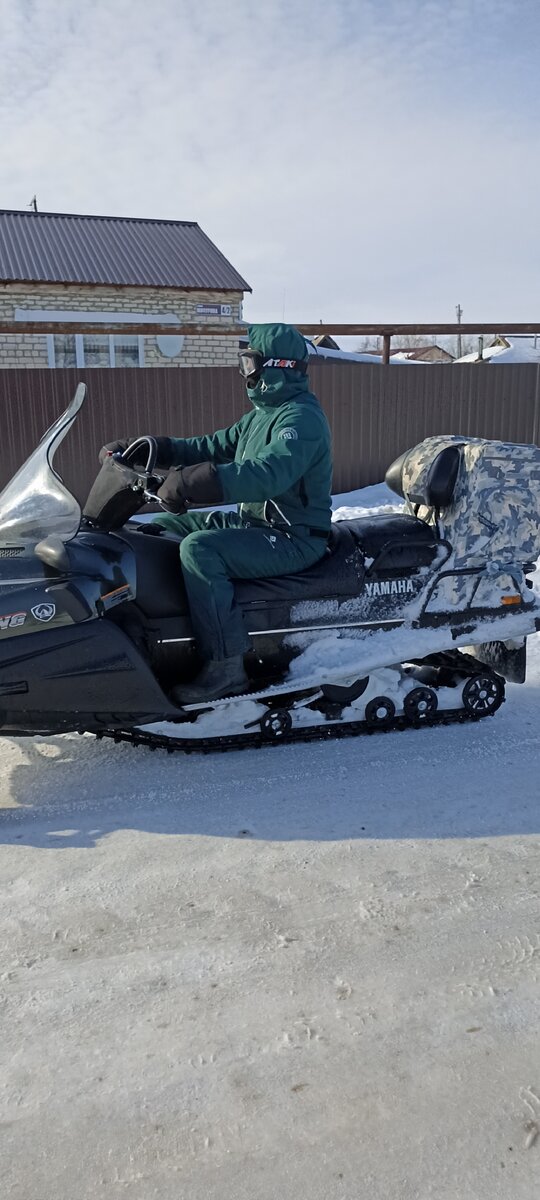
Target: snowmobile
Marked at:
411, 618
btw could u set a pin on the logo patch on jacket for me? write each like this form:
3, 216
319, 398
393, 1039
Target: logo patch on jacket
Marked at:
288, 435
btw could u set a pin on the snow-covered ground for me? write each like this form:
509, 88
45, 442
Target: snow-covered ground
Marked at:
305, 971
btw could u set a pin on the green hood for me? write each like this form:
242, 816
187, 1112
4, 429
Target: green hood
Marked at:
276, 461
277, 385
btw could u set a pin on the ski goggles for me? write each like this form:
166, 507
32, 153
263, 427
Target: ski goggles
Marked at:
252, 362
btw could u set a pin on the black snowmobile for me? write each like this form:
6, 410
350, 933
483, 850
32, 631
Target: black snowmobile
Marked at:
411, 618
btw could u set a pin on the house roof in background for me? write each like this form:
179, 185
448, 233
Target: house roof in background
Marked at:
516, 348
415, 353
120, 251
419, 351
325, 341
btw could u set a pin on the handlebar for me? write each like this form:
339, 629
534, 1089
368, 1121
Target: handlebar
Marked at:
132, 456
139, 450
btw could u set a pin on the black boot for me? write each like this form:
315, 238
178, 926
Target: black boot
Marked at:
216, 681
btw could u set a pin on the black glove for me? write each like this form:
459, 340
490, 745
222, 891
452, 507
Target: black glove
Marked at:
191, 487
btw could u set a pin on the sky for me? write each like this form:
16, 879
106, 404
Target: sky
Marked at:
356, 160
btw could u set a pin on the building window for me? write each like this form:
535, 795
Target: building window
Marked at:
63, 350
95, 350
128, 350
100, 350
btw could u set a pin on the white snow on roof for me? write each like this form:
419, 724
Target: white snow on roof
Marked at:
341, 355
518, 350
403, 356
347, 356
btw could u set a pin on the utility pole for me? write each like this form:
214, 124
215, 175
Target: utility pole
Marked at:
459, 314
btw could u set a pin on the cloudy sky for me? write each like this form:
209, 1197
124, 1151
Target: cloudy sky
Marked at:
357, 160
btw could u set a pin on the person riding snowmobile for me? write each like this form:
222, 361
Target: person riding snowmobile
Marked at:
276, 463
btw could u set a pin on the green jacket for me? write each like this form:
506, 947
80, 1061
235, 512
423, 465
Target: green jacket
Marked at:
276, 461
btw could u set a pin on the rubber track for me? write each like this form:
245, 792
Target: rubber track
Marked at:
317, 733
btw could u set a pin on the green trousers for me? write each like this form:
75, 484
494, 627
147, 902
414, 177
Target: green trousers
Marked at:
217, 548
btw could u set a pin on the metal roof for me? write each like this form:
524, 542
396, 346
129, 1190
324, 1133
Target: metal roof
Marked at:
70, 248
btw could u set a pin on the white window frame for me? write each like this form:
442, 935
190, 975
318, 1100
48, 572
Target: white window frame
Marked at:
73, 316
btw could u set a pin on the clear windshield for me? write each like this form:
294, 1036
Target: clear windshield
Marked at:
35, 502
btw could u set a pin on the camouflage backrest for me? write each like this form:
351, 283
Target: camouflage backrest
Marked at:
495, 510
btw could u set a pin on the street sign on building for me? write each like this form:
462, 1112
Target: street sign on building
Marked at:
214, 310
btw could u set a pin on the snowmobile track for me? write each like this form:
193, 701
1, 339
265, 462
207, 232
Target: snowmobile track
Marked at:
317, 733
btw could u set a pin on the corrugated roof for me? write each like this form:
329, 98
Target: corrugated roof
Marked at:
70, 248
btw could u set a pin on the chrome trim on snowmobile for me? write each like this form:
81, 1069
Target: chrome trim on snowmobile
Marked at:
174, 641
315, 628
300, 629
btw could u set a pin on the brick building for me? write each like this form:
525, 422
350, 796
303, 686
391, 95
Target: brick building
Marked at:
57, 266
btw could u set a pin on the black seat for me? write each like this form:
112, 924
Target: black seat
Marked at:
393, 540
339, 573
388, 543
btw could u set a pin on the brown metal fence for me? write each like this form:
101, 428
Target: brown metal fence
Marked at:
374, 413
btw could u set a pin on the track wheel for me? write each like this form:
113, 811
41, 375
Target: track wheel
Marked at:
420, 705
483, 694
380, 712
276, 723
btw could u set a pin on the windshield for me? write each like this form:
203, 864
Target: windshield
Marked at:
35, 502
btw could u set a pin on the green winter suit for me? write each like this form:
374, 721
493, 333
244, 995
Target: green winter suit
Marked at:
276, 463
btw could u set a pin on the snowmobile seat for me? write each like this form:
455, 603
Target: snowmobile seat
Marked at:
437, 486
160, 587
339, 573
388, 543
393, 541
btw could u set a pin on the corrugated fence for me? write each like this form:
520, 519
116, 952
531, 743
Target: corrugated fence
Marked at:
375, 412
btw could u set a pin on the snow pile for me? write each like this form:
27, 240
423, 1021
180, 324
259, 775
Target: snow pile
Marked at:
375, 499
331, 656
